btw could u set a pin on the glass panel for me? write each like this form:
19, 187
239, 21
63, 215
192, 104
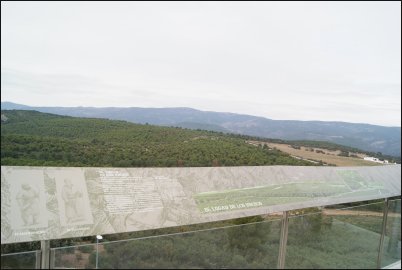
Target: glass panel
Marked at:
72, 257
392, 240
253, 245
22, 260
335, 238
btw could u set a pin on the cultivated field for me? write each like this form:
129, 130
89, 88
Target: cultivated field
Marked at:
330, 157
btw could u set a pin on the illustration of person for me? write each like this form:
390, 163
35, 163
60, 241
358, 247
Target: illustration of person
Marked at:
28, 201
70, 197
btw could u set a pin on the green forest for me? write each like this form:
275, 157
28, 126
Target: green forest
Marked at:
41, 139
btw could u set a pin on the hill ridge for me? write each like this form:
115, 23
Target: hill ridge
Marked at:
368, 137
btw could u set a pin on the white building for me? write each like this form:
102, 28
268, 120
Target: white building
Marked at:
374, 159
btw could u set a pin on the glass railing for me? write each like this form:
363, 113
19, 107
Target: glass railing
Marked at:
253, 245
335, 238
72, 257
346, 237
392, 240
21, 260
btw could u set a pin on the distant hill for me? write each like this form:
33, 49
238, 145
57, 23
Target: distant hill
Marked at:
367, 137
42, 139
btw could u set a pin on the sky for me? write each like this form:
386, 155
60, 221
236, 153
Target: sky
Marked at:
329, 61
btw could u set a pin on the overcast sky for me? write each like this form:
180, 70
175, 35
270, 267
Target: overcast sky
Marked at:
292, 60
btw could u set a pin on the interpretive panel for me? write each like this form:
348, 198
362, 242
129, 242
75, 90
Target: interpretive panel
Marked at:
39, 203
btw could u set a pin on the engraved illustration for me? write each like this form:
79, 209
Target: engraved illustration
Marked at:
28, 202
71, 198
176, 204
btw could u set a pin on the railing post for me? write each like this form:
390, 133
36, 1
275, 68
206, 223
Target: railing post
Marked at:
384, 227
45, 250
52, 258
283, 240
38, 259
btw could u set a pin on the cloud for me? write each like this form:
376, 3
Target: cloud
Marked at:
321, 61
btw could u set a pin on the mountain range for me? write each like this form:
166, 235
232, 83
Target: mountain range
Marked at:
373, 138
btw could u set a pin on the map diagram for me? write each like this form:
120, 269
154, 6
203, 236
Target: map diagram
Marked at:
350, 184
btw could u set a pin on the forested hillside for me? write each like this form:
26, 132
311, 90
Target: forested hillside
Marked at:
371, 138
41, 139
